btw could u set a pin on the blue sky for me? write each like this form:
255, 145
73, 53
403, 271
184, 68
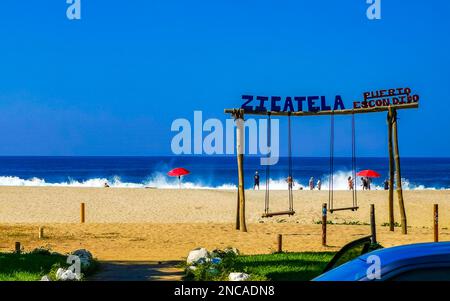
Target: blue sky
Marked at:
113, 82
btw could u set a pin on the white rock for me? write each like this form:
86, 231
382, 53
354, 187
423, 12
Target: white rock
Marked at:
192, 268
199, 255
69, 276
238, 276
45, 278
59, 273
85, 257
66, 275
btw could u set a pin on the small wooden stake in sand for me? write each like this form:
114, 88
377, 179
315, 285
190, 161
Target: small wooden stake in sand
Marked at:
17, 247
436, 222
82, 211
373, 229
280, 243
324, 224
41, 232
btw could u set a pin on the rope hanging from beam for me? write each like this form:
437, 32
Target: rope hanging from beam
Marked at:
330, 179
267, 195
355, 195
353, 164
290, 178
291, 211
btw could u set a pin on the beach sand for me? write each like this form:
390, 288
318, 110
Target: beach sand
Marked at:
159, 224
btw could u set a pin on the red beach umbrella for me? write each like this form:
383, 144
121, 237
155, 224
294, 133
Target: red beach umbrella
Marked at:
368, 173
177, 172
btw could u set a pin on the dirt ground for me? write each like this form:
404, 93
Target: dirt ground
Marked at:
146, 241
165, 224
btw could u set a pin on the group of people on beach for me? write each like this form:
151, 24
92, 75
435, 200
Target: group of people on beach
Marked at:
366, 181
290, 182
312, 186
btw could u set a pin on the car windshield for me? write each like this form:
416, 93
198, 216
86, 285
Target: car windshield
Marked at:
350, 271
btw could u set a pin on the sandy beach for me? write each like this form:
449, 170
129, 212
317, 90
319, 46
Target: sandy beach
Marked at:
159, 224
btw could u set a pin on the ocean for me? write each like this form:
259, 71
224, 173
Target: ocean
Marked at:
208, 172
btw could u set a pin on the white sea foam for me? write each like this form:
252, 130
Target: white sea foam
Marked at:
340, 182
161, 181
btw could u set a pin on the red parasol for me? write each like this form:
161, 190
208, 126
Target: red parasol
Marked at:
368, 173
177, 172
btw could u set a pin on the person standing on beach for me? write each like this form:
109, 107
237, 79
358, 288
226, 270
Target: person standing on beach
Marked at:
290, 182
319, 184
369, 180
350, 183
311, 183
256, 180
386, 184
364, 183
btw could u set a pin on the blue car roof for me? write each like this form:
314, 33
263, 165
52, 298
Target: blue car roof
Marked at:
405, 252
394, 256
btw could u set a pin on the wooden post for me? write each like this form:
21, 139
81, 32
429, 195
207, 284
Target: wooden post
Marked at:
391, 172
237, 210
436, 222
373, 229
398, 172
240, 158
324, 224
41, 232
280, 243
82, 212
17, 247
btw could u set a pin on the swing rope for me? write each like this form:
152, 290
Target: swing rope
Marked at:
355, 198
353, 163
266, 206
291, 179
267, 212
330, 179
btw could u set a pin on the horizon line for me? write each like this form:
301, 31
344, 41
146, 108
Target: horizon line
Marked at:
206, 156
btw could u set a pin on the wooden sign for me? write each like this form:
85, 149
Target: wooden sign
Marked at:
377, 98
385, 98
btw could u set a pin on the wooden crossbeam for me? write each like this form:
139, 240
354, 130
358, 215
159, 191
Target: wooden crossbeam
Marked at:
413, 105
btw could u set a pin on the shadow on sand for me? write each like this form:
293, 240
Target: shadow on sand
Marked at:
138, 271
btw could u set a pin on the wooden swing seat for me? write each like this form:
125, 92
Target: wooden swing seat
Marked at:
344, 208
270, 214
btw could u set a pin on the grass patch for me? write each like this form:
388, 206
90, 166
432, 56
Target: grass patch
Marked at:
349, 223
329, 222
278, 267
34, 265
28, 266
284, 266
396, 225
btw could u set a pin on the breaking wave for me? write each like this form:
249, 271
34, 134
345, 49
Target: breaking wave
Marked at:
161, 181
340, 182
158, 181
